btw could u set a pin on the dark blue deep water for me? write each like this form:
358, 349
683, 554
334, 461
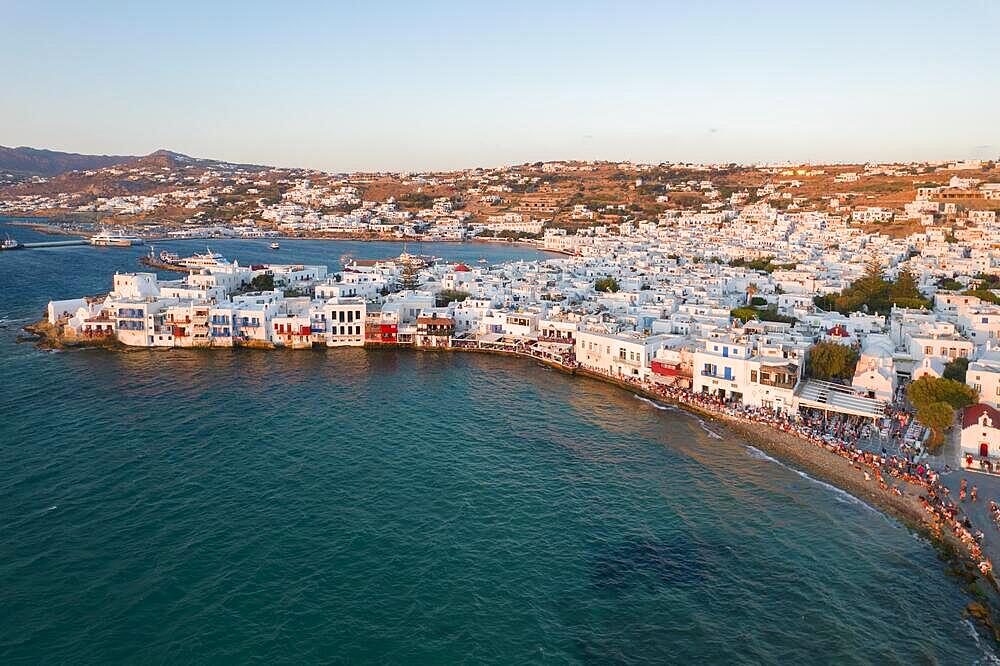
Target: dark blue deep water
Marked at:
400, 507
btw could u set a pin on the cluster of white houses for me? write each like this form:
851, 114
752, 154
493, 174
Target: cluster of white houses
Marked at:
669, 321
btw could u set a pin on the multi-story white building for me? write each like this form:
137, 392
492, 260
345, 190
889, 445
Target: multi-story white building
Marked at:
984, 376
617, 354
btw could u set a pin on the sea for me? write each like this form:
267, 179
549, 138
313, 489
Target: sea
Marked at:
350, 506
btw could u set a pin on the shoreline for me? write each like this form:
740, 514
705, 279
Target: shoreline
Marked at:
820, 463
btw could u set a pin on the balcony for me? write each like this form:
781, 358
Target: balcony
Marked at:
779, 381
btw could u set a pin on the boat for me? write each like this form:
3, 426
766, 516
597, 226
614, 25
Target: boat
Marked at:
9, 243
114, 239
207, 260
275, 246
483, 261
169, 257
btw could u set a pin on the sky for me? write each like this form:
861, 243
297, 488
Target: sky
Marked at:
344, 86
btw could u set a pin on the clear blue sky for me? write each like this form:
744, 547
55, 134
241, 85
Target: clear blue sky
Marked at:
422, 85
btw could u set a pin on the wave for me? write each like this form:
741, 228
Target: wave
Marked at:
760, 455
989, 656
840, 495
658, 405
711, 433
670, 408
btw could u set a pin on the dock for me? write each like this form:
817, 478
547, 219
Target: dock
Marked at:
62, 243
152, 262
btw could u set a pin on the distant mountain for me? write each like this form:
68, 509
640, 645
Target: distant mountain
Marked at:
24, 161
40, 162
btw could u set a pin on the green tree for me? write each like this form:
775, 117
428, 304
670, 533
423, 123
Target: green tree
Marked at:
409, 278
983, 295
928, 390
956, 369
872, 292
938, 416
905, 286
262, 282
606, 284
829, 360
949, 284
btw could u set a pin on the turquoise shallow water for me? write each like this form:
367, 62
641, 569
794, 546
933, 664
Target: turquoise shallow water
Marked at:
394, 507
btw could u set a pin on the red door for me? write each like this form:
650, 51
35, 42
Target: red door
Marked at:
984, 451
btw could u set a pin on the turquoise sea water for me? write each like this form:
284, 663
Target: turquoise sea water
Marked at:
399, 507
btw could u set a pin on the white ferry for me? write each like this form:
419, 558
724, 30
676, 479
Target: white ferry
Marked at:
275, 246
207, 260
114, 239
9, 243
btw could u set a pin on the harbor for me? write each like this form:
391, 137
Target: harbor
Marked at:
513, 352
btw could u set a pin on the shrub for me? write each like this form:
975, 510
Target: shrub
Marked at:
606, 284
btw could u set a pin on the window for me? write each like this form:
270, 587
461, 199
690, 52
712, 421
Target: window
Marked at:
753, 375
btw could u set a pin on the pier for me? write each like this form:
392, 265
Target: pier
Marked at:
62, 243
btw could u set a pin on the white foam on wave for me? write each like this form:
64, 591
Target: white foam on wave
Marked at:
711, 433
760, 455
989, 656
670, 408
840, 495
658, 405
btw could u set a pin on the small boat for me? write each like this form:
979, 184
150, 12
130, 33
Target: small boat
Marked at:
483, 261
275, 246
9, 243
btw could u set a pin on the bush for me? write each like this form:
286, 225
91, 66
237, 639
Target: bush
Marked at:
262, 282
983, 295
606, 284
949, 284
446, 296
747, 313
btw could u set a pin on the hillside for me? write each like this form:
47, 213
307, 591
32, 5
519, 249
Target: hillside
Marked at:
39, 162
